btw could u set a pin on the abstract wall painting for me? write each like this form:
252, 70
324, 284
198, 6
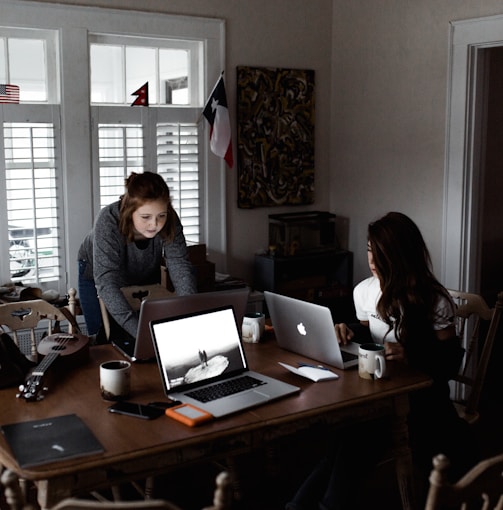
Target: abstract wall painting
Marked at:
275, 142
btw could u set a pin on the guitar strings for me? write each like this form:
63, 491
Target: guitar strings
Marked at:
51, 356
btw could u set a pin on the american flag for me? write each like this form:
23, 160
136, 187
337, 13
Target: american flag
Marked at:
9, 93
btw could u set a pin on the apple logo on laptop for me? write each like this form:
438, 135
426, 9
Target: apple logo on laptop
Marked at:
301, 328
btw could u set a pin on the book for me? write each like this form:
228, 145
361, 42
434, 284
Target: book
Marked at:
310, 372
39, 442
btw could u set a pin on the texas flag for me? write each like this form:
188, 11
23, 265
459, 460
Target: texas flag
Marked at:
142, 93
217, 114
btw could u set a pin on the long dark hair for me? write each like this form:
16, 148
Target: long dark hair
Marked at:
410, 290
142, 188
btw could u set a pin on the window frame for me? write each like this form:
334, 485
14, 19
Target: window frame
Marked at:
51, 53
74, 24
192, 46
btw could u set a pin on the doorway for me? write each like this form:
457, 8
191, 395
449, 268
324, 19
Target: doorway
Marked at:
491, 207
473, 211
473, 233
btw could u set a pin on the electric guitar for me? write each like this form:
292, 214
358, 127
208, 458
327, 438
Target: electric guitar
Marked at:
74, 347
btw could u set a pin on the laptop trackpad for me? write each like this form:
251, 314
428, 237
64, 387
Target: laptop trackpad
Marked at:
251, 397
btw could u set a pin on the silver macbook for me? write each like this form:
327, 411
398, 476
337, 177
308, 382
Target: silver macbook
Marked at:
142, 348
308, 329
203, 363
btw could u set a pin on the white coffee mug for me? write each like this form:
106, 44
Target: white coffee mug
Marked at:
371, 361
253, 327
115, 379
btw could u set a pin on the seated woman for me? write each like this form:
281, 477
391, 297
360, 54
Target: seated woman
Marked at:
130, 240
404, 306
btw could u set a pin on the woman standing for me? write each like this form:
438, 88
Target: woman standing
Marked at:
130, 240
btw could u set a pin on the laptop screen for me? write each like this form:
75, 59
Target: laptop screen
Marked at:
198, 347
153, 309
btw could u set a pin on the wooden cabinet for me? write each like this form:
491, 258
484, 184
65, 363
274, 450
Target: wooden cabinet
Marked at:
323, 277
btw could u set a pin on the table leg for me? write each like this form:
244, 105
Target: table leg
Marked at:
402, 454
233, 470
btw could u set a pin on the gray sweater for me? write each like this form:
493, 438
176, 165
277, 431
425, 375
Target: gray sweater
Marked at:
114, 263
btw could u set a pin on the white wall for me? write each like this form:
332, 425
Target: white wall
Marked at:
389, 83
381, 80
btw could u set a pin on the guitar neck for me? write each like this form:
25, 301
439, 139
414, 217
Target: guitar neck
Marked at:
51, 357
33, 389
43, 366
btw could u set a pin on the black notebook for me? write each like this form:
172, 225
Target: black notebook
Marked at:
51, 439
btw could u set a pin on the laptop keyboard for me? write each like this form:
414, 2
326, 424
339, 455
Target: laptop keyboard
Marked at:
348, 356
225, 388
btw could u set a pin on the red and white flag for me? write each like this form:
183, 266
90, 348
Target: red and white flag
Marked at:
217, 114
9, 93
142, 93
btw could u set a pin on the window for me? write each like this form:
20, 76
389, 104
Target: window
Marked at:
120, 153
120, 66
30, 152
29, 59
67, 147
177, 156
30, 181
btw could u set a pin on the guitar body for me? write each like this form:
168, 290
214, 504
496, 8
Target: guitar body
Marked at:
67, 350
74, 348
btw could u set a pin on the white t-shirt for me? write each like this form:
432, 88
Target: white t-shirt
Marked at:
366, 296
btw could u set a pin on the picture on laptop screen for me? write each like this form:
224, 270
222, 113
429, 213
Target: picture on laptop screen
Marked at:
198, 347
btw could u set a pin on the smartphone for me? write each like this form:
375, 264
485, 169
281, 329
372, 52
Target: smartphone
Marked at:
143, 411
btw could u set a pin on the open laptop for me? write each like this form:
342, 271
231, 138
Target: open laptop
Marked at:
203, 351
308, 329
142, 348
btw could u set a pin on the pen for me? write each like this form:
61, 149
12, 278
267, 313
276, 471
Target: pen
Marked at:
321, 367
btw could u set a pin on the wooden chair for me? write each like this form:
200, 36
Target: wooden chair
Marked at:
481, 488
472, 312
25, 315
15, 498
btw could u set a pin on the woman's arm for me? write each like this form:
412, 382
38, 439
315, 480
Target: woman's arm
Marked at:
177, 263
358, 331
109, 248
440, 357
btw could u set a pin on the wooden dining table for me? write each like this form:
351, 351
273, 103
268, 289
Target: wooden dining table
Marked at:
137, 449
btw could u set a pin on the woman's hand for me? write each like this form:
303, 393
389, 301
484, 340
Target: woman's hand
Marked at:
344, 333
